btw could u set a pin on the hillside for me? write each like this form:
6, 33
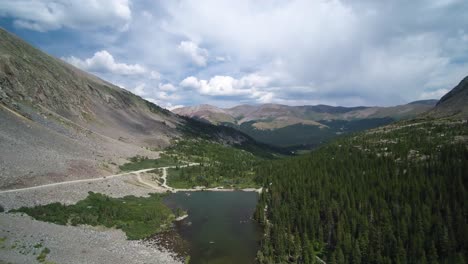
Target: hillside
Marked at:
454, 104
58, 122
394, 194
290, 126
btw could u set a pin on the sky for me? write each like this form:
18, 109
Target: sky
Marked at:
225, 53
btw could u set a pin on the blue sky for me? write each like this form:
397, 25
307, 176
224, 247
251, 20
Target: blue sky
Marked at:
187, 52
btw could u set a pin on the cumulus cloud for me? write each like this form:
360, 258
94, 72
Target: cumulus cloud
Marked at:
167, 87
102, 61
196, 54
139, 89
227, 85
154, 75
167, 105
48, 15
252, 86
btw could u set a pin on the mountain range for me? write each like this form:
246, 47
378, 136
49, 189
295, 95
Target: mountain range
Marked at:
289, 126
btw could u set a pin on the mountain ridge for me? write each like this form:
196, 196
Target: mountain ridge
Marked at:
239, 112
307, 125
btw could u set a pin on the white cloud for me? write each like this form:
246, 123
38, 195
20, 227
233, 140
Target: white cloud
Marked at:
190, 49
216, 86
437, 94
172, 107
162, 104
103, 61
167, 87
139, 89
48, 15
154, 75
253, 86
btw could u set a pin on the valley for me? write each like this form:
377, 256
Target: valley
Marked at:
91, 172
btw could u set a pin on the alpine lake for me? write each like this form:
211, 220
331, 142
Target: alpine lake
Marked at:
219, 227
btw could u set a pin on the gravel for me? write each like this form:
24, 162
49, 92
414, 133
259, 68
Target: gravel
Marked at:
23, 238
71, 193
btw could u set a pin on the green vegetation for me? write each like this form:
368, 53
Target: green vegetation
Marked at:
195, 130
189, 177
2, 242
392, 195
138, 217
301, 136
43, 255
219, 165
141, 162
38, 245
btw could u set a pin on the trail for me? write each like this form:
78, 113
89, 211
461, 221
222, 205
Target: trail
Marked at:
164, 176
140, 180
76, 181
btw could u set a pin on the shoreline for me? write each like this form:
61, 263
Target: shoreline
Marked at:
215, 189
201, 188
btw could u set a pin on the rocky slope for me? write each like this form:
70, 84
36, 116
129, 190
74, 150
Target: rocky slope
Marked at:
454, 104
59, 123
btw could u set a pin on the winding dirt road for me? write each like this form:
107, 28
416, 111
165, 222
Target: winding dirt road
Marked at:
76, 181
137, 172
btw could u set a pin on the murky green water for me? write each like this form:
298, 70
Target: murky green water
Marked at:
219, 228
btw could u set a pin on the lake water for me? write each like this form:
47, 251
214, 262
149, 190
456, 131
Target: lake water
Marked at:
219, 228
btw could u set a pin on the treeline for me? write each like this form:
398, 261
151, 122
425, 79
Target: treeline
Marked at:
392, 195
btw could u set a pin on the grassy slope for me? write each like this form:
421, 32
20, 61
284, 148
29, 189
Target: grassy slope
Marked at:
140, 163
